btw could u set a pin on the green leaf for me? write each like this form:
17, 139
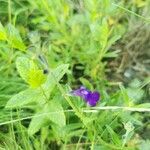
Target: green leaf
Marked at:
110, 54
113, 135
54, 77
56, 113
29, 71
36, 95
14, 38
3, 35
125, 96
39, 120
104, 33
52, 111
36, 78
23, 65
112, 40
25, 97
86, 83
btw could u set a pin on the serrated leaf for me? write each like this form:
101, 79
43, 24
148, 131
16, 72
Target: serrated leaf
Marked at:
14, 38
56, 113
29, 71
36, 78
52, 111
38, 121
23, 67
24, 97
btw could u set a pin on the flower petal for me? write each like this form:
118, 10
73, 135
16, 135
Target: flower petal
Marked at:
92, 103
82, 92
91, 98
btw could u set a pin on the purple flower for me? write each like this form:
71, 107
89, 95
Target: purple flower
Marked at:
90, 97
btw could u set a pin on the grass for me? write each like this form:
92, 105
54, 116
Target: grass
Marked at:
48, 48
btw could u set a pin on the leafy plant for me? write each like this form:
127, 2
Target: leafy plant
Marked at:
39, 94
50, 48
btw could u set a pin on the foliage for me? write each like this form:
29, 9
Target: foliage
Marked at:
48, 48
